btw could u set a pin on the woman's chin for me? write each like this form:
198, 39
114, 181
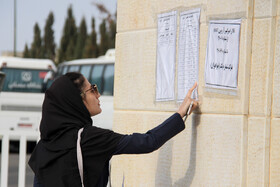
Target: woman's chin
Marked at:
96, 112
99, 111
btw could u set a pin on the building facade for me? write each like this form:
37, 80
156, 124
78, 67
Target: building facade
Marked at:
229, 140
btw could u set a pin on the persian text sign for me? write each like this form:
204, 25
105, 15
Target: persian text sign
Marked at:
166, 56
222, 56
188, 52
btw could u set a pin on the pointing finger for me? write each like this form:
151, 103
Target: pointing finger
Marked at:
191, 89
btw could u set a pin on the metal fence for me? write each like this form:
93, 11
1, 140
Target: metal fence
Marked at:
22, 137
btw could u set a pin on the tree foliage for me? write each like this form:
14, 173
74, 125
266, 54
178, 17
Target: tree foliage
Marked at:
75, 43
81, 40
104, 38
107, 29
112, 33
26, 53
91, 48
68, 40
36, 46
48, 39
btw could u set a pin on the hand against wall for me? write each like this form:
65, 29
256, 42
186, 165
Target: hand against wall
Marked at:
187, 102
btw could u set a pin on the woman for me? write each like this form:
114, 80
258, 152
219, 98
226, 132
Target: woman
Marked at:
72, 152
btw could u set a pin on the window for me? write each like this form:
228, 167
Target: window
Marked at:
59, 71
73, 69
108, 80
23, 80
85, 70
96, 77
64, 70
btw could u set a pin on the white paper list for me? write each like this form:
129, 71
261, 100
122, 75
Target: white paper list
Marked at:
188, 52
166, 56
222, 56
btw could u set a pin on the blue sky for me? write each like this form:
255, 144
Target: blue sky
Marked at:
31, 11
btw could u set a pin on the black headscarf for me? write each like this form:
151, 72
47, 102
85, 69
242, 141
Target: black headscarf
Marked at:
63, 112
54, 160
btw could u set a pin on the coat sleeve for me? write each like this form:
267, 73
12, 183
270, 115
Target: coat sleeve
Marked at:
137, 143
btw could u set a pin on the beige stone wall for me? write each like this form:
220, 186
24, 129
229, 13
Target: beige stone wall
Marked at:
231, 140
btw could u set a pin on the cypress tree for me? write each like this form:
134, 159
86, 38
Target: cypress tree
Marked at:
81, 40
26, 52
104, 39
91, 48
36, 46
68, 38
112, 33
49, 44
62, 49
70, 50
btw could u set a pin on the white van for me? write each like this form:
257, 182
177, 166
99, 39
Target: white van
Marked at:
98, 71
21, 97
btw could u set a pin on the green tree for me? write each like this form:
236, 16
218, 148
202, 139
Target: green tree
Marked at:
48, 40
104, 39
107, 37
36, 46
70, 50
91, 48
62, 49
68, 40
26, 53
81, 40
112, 33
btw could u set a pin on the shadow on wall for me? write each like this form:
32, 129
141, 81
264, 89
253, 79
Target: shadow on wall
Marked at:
163, 174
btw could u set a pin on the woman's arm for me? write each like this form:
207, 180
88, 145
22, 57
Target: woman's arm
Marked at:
137, 143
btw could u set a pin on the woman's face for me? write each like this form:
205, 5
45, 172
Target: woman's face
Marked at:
90, 99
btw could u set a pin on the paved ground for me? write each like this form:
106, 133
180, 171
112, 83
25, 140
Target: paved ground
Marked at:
13, 171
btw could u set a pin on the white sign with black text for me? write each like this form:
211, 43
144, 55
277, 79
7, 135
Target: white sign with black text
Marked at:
166, 56
188, 52
222, 55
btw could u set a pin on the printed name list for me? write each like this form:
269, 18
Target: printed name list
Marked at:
166, 56
188, 52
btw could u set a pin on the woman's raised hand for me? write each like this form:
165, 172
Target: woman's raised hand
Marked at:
187, 102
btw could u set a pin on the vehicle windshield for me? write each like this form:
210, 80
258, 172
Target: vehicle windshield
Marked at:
23, 80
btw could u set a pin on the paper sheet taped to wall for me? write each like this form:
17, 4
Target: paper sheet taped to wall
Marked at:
166, 56
188, 52
222, 56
